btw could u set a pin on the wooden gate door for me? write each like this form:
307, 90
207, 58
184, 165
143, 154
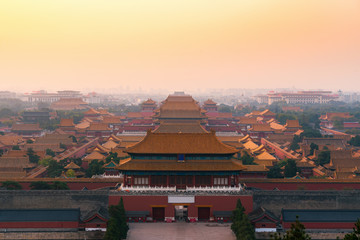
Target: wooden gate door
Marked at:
203, 213
158, 213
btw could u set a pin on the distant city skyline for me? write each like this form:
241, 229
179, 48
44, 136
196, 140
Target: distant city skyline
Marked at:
183, 45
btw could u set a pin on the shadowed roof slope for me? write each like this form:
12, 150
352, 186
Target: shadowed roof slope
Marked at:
190, 127
185, 143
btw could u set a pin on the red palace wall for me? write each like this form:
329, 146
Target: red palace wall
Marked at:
216, 203
302, 185
323, 225
74, 185
39, 224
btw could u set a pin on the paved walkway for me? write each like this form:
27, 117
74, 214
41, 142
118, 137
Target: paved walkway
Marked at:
180, 231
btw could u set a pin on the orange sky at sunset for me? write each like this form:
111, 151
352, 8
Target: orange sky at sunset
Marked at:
176, 45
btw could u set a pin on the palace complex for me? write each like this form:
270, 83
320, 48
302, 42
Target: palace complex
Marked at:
180, 160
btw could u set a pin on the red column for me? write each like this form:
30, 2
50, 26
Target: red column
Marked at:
193, 180
149, 180
167, 180
212, 180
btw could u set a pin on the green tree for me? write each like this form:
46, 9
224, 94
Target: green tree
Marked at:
113, 156
283, 117
290, 168
57, 185
247, 159
32, 156
295, 143
70, 173
15, 147
275, 172
40, 185
117, 227
323, 158
54, 169
313, 147
355, 234
355, 141
50, 152
62, 146
29, 141
6, 112
225, 108
11, 185
95, 168
45, 161
296, 232
241, 225
73, 138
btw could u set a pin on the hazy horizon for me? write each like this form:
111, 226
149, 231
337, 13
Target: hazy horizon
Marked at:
190, 46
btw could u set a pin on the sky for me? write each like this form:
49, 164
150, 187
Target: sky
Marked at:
105, 45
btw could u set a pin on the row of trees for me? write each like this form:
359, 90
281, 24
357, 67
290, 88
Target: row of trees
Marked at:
39, 185
290, 169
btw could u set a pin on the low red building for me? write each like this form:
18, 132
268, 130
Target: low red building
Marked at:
39, 219
321, 218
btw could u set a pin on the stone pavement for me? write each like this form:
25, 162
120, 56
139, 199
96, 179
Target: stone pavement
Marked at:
180, 231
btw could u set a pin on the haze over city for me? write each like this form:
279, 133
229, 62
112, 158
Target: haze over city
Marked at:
179, 45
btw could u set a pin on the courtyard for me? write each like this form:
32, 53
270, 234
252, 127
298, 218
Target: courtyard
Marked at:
180, 231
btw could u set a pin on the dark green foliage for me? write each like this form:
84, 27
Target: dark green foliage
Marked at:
241, 225
73, 138
290, 168
29, 141
54, 169
95, 168
355, 141
50, 124
313, 147
225, 108
76, 115
63, 146
283, 117
113, 156
323, 158
6, 112
276, 107
16, 147
57, 185
275, 172
77, 161
295, 143
50, 152
296, 232
338, 123
40, 185
117, 227
11, 185
355, 235
247, 159
32, 156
